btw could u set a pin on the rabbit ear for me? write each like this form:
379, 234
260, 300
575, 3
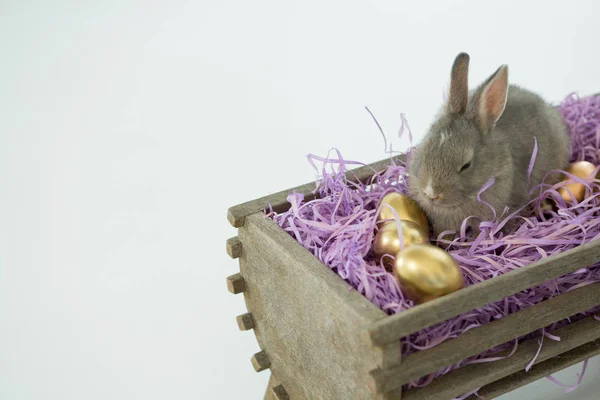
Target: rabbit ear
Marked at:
459, 87
492, 99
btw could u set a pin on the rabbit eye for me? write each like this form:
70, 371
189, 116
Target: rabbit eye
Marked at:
467, 165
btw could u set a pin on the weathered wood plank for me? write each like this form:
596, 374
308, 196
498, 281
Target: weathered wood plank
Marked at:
237, 214
260, 361
275, 390
390, 354
280, 392
269, 395
538, 371
485, 337
236, 284
234, 247
471, 377
245, 321
395, 394
307, 318
402, 324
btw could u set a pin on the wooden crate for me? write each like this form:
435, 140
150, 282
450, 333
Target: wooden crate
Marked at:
322, 340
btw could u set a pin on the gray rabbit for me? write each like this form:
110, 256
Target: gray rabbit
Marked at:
486, 133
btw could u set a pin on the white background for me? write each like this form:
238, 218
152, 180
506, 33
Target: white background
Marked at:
128, 128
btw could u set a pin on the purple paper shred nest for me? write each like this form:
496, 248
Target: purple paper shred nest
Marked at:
338, 228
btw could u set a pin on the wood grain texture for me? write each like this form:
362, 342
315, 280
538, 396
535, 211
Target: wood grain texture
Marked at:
269, 395
280, 393
395, 394
474, 376
234, 247
260, 361
538, 371
245, 322
236, 284
485, 337
237, 214
402, 324
306, 317
390, 355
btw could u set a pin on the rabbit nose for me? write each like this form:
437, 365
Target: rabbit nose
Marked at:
429, 192
433, 196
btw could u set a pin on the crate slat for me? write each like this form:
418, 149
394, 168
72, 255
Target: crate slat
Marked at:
260, 361
538, 371
305, 316
286, 248
390, 355
486, 337
269, 395
237, 214
473, 376
422, 316
236, 284
395, 394
233, 247
245, 322
280, 392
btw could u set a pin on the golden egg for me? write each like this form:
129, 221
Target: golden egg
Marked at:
406, 208
581, 169
426, 272
387, 240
